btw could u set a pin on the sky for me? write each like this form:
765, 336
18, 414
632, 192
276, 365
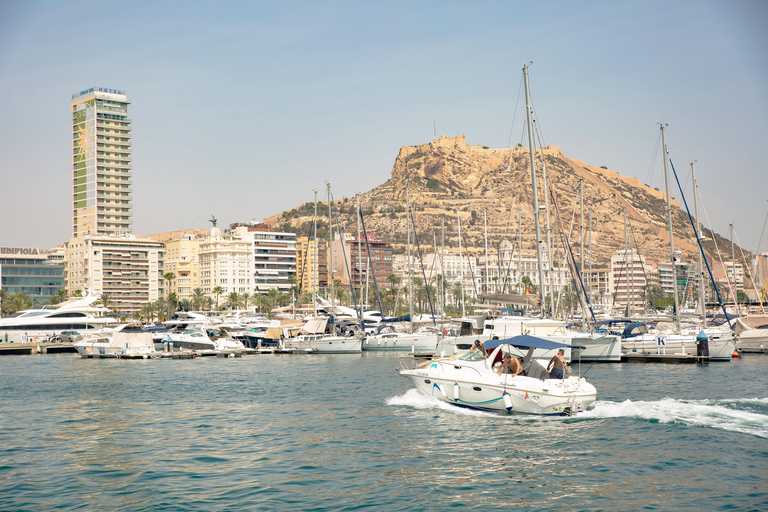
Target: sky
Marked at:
242, 109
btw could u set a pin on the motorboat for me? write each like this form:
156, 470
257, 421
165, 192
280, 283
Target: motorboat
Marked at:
222, 339
121, 343
473, 380
324, 343
190, 339
38, 324
391, 340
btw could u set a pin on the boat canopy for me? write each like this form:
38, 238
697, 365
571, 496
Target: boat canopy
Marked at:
526, 341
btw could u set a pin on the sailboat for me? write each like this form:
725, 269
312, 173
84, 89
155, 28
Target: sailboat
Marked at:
720, 343
314, 337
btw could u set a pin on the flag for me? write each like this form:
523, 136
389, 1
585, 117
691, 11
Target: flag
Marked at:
527, 291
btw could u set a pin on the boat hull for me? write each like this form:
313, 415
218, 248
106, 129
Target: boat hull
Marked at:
402, 343
526, 395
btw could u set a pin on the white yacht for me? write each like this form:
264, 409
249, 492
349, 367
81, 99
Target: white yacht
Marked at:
393, 341
472, 380
38, 324
190, 339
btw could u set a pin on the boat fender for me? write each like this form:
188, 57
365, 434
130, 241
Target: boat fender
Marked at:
456, 391
507, 401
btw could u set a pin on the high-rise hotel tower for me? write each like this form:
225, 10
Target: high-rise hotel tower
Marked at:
101, 159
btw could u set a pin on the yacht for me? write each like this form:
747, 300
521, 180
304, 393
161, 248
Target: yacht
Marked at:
390, 340
190, 339
38, 324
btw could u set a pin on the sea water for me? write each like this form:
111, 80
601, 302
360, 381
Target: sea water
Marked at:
346, 432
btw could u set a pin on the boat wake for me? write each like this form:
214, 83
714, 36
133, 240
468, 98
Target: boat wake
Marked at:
748, 416
416, 400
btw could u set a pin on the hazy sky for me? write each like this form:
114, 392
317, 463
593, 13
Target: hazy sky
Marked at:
241, 109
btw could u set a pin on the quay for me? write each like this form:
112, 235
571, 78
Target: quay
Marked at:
647, 357
36, 348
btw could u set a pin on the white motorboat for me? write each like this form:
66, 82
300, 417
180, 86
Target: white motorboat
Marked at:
753, 341
393, 341
191, 339
223, 340
471, 380
324, 344
125, 343
38, 324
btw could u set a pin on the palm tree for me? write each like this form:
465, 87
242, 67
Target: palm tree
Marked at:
4, 294
169, 276
198, 297
246, 298
149, 311
185, 304
160, 305
106, 301
17, 302
233, 301
171, 303
218, 291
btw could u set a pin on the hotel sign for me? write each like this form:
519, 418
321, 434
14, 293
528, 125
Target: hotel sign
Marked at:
19, 250
97, 89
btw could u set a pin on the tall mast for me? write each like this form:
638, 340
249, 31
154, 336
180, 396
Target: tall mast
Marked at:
581, 216
520, 248
442, 251
529, 117
410, 262
330, 259
550, 263
461, 266
359, 258
671, 236
702, 307
733, 273
315, 269
626, 266
485, 225
589, 279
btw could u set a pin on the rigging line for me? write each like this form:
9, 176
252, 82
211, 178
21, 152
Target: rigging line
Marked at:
637, 250
757, 251
749, 272
698, 239
346, 263
514, 114
583, 298
424, 272
368, 246
649, 176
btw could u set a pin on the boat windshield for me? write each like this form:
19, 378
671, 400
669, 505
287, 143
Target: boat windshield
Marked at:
477, 355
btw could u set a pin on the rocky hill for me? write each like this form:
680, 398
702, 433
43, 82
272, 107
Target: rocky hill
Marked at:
446, 176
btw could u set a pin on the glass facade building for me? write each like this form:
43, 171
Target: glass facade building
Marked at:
29, 271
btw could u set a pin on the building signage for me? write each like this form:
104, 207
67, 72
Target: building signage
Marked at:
18, 250
97, 89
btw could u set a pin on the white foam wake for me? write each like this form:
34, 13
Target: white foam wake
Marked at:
705, 413
413, 398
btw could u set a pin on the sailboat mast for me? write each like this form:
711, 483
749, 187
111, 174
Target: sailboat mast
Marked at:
315, 269
702, 307
330, 259
550, 263
485, 225
410, 262
589, 277
529, 117
461, 266
671, 236
442, 263
733, 273
359, 258
626, 266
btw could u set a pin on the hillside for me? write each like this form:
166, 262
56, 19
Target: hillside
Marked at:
446, 175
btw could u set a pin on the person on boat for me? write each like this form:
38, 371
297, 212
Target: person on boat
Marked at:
511, 366
557, 365
477, 346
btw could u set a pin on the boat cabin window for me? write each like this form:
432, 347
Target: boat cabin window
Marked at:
472, 356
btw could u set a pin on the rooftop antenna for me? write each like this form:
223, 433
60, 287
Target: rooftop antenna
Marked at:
434, 129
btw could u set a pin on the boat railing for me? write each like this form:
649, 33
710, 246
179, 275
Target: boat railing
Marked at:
408, 363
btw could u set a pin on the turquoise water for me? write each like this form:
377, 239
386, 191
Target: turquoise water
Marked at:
345, 432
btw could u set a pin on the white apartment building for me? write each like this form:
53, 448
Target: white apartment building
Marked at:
226, 262
182, 258
627, 279
128, 269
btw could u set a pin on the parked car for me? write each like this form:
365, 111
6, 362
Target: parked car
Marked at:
70, 336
